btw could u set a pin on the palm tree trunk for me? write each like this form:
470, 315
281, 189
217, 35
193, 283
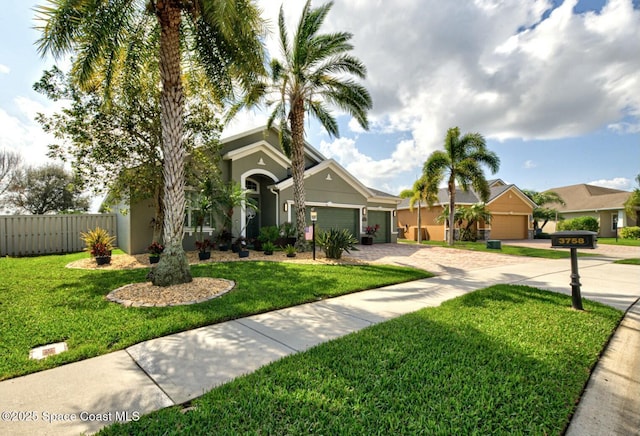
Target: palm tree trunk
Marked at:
158, 197
419, 223
452, 210
296, 119
173, 267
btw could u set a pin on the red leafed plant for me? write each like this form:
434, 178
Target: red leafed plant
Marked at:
372, 230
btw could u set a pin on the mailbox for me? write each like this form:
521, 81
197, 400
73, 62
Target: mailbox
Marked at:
574, 239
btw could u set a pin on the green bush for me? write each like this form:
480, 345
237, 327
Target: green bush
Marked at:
630, 232
334, 241
269, 234
580, 223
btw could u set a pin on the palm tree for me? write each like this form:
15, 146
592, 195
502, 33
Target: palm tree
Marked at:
540, 212
471, 215
312, 74
461, 161
219, 39
419, 194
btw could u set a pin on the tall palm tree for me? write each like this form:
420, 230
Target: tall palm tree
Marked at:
419, 194
218, 38
461, 162
313, 73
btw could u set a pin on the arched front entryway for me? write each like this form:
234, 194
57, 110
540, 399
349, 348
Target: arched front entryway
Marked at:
256, 184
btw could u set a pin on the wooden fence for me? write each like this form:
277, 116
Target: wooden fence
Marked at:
29, 235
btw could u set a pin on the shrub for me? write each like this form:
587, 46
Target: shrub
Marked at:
268, 247
630, 232
98, 242
580, 223
334, 241
269, 234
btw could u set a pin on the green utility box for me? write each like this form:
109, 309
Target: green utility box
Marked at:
494, 243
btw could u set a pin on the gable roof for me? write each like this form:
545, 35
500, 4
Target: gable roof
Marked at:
368, 193
266, 136
261, 139
583, 197
496, 187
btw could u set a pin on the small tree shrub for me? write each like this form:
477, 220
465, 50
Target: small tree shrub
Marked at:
99, 242
630, 232
335, 241
269, 234
588, 223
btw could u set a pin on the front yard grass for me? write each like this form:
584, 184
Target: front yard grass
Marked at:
628, 261
503, 360
506, 249
620, 241
43, 302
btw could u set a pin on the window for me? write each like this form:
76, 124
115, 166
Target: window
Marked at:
251, 186
192, 213
614, 221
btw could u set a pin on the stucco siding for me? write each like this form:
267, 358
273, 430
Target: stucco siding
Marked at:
510, 202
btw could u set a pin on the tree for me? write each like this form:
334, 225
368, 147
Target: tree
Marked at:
220, 38
46, 189
471, 215
419, 194
461, 162
313, 73
540, 212
116, 145
10, 165
632, 205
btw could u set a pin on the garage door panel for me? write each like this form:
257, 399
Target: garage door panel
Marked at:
382, 219
508, 227
335, 217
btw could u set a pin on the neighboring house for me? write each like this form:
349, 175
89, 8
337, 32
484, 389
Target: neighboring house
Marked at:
255, 160
511, 214
604, 204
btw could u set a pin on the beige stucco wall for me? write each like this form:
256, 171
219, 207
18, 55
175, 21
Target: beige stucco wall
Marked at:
431, 229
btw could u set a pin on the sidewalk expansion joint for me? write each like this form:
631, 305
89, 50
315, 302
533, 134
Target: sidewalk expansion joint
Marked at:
239, 321
150, 378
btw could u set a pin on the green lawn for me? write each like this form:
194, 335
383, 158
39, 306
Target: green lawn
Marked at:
42, 302
628, 261
506, 249
626, 242
503, 360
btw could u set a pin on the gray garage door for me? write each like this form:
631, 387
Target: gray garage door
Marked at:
337, 218
382, 219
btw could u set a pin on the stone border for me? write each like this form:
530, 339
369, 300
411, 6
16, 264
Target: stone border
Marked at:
131, 303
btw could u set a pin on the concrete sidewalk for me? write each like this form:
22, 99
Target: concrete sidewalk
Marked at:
85, 396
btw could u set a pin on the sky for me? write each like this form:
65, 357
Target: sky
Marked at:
553, 86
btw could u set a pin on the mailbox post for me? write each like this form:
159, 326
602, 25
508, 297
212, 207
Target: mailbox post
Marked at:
574, 240
314, 218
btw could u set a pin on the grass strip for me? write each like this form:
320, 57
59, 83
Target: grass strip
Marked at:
43, 302
507, 249
503, 360
628, 261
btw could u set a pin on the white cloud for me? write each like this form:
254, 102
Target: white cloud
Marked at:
512, 72
20, 132
615, 183
530, 164
4, 69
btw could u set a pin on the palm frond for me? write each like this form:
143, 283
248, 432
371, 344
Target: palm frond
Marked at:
324, 116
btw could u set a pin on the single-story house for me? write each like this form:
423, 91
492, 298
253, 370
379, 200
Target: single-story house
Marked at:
604, 204
511, 213
256, 161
